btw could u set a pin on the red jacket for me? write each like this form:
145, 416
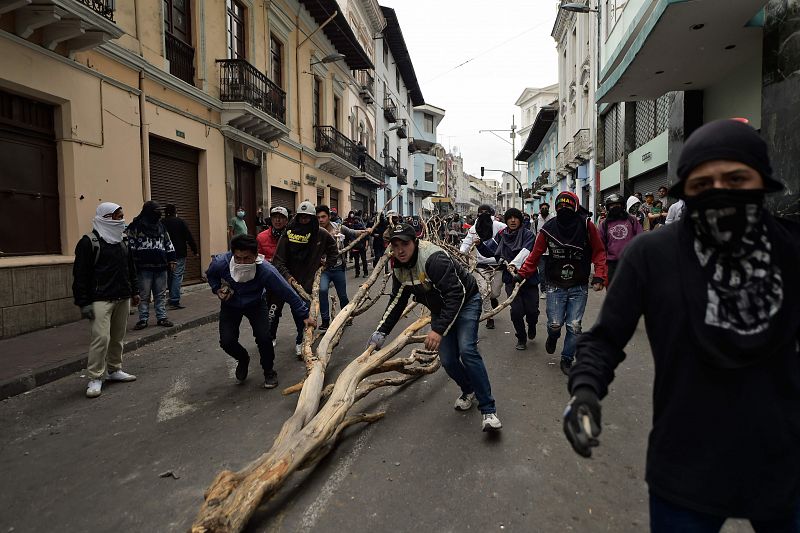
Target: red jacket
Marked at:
267, 243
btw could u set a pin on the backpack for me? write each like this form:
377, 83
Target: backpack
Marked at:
95, 240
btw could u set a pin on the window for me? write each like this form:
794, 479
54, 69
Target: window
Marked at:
337, 106
385, 52
276, 61
428, 123
508, 186
235, 29
385, 145
177, 19
317, 101
397, 78
429, 172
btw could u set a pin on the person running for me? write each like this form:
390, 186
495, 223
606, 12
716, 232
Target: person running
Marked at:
511, 247
489, 281
722, 288
448, 290
300, 253
575, 245
240, 278
616, 231
104, 286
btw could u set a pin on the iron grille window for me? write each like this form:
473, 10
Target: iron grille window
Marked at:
235, 29
652, 118
276, 65
317, 102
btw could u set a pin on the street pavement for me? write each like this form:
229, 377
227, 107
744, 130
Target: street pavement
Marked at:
139, 457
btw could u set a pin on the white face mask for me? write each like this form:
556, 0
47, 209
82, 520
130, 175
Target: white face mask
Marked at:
242, 273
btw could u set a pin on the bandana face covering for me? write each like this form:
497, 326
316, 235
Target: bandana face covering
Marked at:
242, 273
731, 241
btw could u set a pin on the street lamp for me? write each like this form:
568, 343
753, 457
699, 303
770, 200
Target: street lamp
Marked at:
577, 7
521, 199
330, 58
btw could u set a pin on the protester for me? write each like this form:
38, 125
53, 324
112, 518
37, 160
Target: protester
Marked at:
378, 244
575, 245
237, 224
261, 222
361, 155
616, 231
240, 278
721, 287
359, 251
299, 255
335, 216
153, 254
268, 239
511, 246
541, 220
392, 219
634, 207
335, 274
442, 285
676, 211
104, 286
180, 236
486, 273
526, 222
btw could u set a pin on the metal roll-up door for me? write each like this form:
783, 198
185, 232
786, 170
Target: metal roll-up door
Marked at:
650, 181
282, 198
174, 180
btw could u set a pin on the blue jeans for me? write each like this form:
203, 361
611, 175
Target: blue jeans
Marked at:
155, 283
566, 307
174, 281
667, 517
460, 358
337, 276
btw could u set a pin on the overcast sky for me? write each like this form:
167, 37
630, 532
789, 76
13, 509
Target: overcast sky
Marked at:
509, 44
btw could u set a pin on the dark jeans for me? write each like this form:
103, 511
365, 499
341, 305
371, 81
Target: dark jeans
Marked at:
460, 358
174, 281
612, 268
337, 276
542, 277
362, 254
275, 311
667, 517
524, 308
229, 320
378, 249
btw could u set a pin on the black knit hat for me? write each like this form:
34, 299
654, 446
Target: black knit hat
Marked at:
727, 139
513, 212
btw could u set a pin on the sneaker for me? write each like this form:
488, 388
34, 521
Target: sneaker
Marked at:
490, 422
141, 324
543, 296
241, 369
274, 342
175, 307
490, 323
521, 345
366, 275
94, 388
298, 351
271, 380
165, 322
531, 332
325, 324
119, 375
550, 344
465, 402
566, 365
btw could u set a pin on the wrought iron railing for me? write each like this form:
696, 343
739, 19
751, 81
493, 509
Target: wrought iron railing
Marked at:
181, 58
390, 165
365, 81
389, 109
101, 7
402, 176
328, 139
373, 168
239, 81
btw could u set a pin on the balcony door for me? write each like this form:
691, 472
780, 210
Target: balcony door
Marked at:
245, 175
177, 19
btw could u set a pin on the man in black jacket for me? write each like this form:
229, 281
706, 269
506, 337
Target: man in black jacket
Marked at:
181, 236
104, 287
718, 291
450, 292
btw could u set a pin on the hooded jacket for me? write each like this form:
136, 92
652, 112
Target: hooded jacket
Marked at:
301, 252
149, 241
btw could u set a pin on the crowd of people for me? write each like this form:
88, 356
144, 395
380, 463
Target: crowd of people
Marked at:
705, 263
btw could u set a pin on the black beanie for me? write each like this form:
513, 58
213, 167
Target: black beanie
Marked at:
513, 212
727, 139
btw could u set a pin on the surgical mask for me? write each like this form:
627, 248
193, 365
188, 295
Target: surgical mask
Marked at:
240, 214
722, 217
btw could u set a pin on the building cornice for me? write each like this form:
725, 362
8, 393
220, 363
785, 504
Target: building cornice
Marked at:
374, 15
564, 20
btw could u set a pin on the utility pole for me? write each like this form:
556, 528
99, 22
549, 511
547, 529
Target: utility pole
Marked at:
513, 156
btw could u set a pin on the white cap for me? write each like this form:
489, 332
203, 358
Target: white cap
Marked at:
307, 208
279, 211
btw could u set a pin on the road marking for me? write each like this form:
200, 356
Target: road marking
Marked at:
172, 405
316, 509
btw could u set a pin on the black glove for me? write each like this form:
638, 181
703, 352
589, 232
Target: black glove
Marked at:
484, 227
87, 311
518, 278
582, 421
596, 280
502, 263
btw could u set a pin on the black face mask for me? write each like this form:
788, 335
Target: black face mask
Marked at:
615, 212
721, 217
565, 214
545, 212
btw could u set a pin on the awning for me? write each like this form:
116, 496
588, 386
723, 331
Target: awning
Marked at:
393, 36
675, 45
544, 119
338, 31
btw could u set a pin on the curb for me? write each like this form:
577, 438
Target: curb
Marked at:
40, 376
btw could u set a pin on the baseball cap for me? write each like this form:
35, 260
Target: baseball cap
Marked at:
404, 232
279, 211
307, 208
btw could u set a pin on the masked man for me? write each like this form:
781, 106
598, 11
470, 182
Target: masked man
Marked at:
437, 281
240, 278
721, 287
490, 282
616, 231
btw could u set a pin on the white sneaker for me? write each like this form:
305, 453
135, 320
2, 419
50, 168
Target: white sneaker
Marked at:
274, 342
119, 375
94, 388
298, 351
491, 422
465, 402
543, 296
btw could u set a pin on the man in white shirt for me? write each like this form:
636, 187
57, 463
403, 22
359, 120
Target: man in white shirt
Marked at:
544, 216
489, 282
675, 212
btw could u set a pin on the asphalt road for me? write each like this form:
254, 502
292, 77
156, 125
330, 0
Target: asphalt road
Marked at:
72, 464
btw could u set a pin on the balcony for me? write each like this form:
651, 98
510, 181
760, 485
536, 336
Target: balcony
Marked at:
181, 58
252, 103
561, 169
76, 25
366, 84
390, 166
340, 153
389, 109
372, 173
402, 130
582, 143
402, 176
